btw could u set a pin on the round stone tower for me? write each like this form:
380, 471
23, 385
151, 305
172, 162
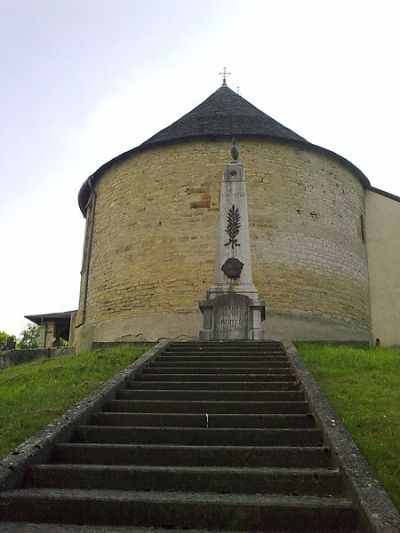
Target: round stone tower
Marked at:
151, 221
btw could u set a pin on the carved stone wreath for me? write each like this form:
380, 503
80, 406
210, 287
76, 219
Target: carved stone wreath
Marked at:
232, 268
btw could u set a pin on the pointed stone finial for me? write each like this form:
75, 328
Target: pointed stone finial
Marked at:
234, 150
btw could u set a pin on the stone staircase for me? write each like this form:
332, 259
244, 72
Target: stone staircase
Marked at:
209, 436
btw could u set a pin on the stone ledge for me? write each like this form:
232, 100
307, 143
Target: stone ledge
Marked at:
37, 449
379, 513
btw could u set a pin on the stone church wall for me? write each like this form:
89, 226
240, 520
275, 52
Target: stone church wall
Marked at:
382, 233
154, 232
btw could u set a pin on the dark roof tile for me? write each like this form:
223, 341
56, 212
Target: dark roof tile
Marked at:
223, 113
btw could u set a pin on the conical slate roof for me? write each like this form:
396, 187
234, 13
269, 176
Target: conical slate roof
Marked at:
223, 113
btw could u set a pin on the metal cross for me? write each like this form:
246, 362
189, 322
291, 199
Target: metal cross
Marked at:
224, 75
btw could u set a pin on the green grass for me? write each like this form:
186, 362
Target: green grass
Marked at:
33, 394
364, 387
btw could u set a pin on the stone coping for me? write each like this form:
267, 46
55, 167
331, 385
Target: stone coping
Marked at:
37, 449
379, 513
21, 356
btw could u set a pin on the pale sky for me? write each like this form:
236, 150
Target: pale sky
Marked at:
84, 80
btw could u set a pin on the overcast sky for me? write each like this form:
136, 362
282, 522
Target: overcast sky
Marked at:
84, 80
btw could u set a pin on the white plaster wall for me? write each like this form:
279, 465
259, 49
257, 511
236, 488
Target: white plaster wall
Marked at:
383, 245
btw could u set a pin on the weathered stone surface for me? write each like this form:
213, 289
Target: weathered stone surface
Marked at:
155, 237
231, 317
233, 309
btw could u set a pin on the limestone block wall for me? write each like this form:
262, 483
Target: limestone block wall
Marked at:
154, 233
382, 233
47, 334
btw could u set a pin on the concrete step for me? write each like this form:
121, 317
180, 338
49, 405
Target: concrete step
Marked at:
276, 363
205, 406
232, 348
241, 512
251, 345
169, 455
202, 420
233, 356
223, 351
214, 385
238, 356
181, 376
205, 370
193, 395
198, 436
238, 343
40, 527
317, 482
224, 346
244, 354
215, 377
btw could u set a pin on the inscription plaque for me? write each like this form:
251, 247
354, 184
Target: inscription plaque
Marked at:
231, 317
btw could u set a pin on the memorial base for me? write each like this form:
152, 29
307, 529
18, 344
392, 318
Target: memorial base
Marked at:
232, 316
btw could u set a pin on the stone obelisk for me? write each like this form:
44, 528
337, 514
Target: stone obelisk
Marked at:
233, 309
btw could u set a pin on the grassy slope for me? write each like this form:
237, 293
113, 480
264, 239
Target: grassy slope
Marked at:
364, 387
31, 395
